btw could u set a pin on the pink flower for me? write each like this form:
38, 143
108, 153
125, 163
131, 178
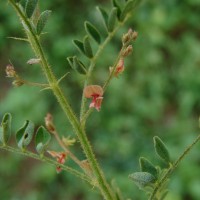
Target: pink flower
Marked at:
60, 157
96, 93
119, 68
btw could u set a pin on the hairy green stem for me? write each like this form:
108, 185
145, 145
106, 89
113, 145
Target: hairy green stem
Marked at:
34, 41
47, 160
172, 168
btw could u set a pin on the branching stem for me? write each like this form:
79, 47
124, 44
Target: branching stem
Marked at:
47, 160
172, 168
93, 63
35, 44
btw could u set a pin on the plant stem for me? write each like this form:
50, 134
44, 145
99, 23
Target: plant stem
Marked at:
34, 41
93, 62
32, 83
113, 70
172, 168
60, 142
47, 160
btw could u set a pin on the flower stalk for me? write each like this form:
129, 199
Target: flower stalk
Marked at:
172, 168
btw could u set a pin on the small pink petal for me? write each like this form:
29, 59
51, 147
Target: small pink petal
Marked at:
91, 90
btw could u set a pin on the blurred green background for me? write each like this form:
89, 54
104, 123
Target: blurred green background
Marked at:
158, 94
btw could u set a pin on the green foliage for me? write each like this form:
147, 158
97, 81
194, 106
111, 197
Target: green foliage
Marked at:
23, 3
158, 93
42, 21
142, 179
42, 139
25, 134
5, 128
147, 166
161, 149
104, 15
129, 6
117, 5
79, 46
87, 47
93, 32
78, 66
112, 19
30, 7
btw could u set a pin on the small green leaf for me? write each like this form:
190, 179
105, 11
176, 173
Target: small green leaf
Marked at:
79, 66
42, 139
147, 166
25, 134
30, 7
5, 128
161, 149
163, 195
17, 1
142, 179
79, 46
93, 32
104, 15
130, 5
70, 61
42, 21
117, 5
23, 3
87, 47
112, 19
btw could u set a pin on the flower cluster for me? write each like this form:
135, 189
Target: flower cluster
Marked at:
95, 91
60, 157
119, 68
